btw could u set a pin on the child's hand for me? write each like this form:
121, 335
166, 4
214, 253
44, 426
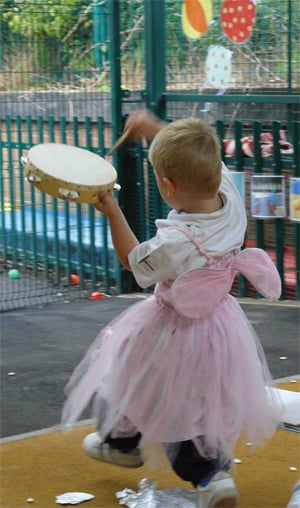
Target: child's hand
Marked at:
107, 203
142, 123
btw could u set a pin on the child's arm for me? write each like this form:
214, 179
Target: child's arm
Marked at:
140, 124
143, 123
123, 237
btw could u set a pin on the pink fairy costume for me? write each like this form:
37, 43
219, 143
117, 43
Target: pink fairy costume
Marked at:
185, 363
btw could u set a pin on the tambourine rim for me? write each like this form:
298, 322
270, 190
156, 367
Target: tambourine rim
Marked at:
31, 166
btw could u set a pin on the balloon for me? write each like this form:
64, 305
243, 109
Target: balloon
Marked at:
237, 19
196, 17
218, 66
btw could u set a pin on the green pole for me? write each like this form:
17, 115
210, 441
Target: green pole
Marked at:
258, 164
279, 230
99, 34
290, 69
3, 237
155, 55
296, 174
114, 30
9, 130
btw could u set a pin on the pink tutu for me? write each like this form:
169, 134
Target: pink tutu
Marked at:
178, 377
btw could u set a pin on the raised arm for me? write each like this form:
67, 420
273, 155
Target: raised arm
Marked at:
123, 238
142, 123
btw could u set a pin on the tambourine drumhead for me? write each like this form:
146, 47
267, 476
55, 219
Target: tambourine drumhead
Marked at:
69, 172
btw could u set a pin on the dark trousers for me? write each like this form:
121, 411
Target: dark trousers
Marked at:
188, 463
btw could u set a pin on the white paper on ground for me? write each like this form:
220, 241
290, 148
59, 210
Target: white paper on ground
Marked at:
73, 498
291, 405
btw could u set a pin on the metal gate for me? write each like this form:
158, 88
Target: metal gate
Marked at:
77, 82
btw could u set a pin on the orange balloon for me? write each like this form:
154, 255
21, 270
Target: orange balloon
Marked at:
196, 17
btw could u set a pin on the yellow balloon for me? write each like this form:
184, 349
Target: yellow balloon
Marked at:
196, 17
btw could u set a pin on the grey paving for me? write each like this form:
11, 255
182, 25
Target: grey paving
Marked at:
41, 345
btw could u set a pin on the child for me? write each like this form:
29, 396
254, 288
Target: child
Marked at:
183, 367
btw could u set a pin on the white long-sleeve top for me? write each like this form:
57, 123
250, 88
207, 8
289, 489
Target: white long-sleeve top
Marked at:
170, 253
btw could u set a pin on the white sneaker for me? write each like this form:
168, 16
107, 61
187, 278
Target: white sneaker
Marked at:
99, 450
219, 493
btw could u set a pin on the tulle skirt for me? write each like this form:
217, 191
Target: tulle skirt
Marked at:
177, 378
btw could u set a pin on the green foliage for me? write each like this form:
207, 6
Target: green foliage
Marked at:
70, 36
41, 20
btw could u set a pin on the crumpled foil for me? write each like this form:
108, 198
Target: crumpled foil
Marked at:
73, 498
148, 497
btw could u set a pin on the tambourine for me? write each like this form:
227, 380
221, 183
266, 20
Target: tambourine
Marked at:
69, 172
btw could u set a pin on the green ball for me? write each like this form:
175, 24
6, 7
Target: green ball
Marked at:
14, 273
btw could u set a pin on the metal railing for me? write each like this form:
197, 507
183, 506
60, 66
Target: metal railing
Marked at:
47, 238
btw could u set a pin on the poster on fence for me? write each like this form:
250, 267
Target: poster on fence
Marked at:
238, 178
295, 199
268, 196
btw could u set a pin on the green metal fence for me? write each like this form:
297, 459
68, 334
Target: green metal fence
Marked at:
71, 71
47, 240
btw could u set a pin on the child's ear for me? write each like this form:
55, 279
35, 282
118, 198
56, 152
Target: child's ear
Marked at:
169, 185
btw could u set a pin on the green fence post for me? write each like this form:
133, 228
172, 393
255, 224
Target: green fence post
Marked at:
104, 222
279, 230
22, 191
67, 262
155, 58
92, 250
296, 174
40, 126
79, 265
258, 164
14, 254
116, 101
238, 145
56, 261
33, 204
155, 40
238, 129
99, 33
3, 239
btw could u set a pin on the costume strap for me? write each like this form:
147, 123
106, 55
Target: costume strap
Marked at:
193, 240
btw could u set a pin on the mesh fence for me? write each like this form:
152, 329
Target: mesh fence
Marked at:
264, 66
56, 77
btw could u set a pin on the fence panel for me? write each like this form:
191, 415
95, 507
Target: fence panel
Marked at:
56, 83
45, 237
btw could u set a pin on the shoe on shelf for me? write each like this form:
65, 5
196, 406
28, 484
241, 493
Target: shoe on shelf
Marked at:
99, 450
220, 492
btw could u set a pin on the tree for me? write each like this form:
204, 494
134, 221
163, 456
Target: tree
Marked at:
39, 20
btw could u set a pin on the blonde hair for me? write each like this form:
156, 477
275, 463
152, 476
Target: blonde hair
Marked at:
188, 152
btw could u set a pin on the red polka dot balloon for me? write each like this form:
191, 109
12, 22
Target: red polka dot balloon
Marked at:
218, 66
237, 19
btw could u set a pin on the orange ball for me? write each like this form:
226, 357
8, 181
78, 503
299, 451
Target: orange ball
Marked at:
75, 279
96, 295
